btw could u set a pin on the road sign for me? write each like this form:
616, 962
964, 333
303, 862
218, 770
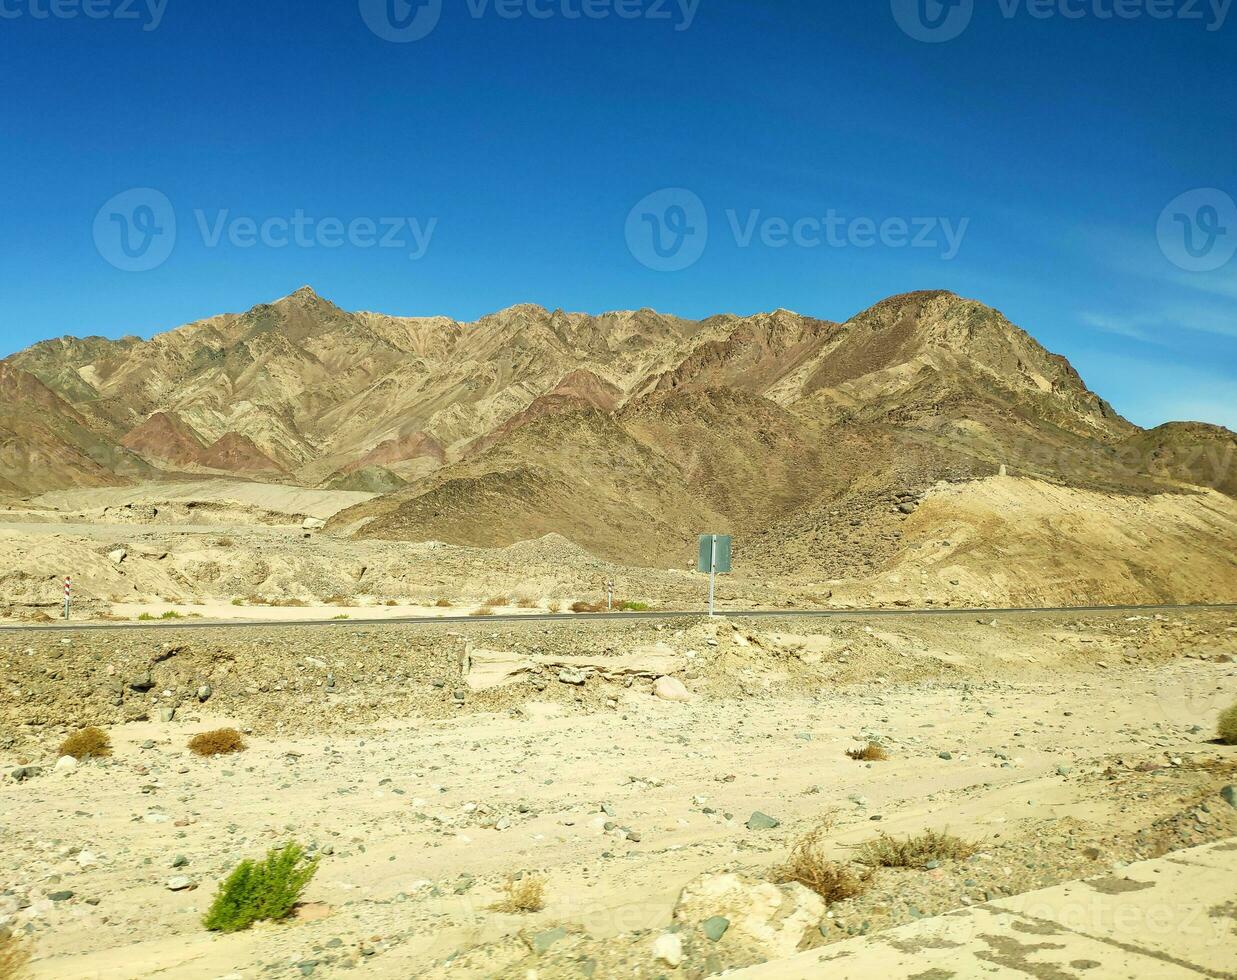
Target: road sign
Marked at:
68, 594
715, 559
705, 563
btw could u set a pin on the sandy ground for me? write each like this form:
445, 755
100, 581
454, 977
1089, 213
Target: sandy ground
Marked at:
1002, 541
1066, 747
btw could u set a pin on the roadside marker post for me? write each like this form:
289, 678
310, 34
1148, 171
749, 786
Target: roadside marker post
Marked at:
715, 558
68, 594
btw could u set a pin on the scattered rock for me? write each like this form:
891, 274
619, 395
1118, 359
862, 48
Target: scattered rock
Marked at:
762, 821
769, 919
714, 927
668, 949
671, 689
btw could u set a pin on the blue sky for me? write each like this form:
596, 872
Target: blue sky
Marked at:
1046, 157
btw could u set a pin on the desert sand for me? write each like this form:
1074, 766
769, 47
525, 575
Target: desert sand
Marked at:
1064, 747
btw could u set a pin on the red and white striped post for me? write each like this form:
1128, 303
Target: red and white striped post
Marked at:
68, 594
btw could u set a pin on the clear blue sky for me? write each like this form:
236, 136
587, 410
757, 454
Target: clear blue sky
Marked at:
521, 144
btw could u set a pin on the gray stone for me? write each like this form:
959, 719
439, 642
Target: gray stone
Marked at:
715, 927
142, 682
945, 755
63, 896
179, 861
544, 940
204, 693
1229, 795
574, 677
22, 773
762, 821
179, 883
167, 714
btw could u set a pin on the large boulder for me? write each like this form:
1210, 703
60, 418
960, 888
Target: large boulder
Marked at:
771, 920
671, 689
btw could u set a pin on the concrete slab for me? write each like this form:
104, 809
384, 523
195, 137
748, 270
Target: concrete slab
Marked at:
1175, 916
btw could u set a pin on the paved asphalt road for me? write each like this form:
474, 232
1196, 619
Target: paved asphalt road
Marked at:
564, 618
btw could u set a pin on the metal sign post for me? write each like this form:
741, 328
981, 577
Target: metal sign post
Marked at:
68, 595
714, 558
609, 595
712, 573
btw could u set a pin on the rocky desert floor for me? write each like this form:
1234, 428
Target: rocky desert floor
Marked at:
428, 764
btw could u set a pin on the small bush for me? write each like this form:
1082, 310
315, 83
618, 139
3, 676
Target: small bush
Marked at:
224, 542
1227, 727
146, 615
170, 614
336, 600
222, 741
525, 894
914, 852
526, 602
391, 602
238, 601
485, 610
555, 606
808, 866
586, 607
260, 891
13, 956
628, 606
872, 752
342, 616
443, 603
89, 743
498, 600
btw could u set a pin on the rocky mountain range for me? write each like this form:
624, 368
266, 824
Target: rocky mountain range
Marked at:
627, 432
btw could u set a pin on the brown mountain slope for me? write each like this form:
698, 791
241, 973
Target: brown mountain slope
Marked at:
45, 443
165, 436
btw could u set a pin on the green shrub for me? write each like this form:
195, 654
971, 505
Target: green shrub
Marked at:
170, 614
259, 891
146, 616
1227, 727
627, 606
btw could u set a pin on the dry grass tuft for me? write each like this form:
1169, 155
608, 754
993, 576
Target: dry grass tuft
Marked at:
486, 610
554, 606
525, 894
872, 752
526, 602
443, 603
1227, 727
914, 852
89, 743
808, 866
587, 607
222, 741
14, 955
498, 600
